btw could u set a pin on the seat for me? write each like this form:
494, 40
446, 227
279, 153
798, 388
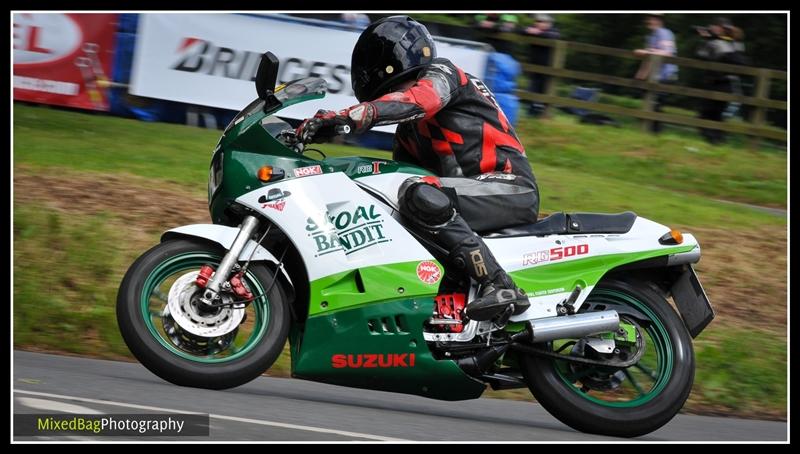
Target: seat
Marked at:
555, 224
601, 223
569, 224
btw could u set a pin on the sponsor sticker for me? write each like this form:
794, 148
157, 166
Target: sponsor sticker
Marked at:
373, 169
429, 272
275, 199
553, 254
532, 258
308, 171
551, 291
372, 360
347, 229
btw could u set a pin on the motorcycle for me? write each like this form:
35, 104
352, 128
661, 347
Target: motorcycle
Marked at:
314, 250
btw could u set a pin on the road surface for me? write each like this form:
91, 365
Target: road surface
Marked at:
279, 409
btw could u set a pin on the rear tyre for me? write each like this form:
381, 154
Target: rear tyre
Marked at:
626, 402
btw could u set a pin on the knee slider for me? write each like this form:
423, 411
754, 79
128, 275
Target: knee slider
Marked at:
426, 203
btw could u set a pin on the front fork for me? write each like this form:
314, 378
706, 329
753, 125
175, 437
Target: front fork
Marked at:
246, 229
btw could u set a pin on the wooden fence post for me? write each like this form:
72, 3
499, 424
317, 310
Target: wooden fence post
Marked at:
649, 100
759, 115
557, 59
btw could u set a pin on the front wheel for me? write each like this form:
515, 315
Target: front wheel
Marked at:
184, 342
622, 402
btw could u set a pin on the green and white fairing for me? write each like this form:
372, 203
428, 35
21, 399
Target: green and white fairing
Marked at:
339, 228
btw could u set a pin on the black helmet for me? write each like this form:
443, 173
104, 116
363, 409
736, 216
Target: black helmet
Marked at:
388, 52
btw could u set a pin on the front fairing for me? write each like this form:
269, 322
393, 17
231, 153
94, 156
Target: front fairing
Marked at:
252, 140
254, 114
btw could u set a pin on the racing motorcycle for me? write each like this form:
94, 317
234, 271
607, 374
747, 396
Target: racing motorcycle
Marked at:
314, 250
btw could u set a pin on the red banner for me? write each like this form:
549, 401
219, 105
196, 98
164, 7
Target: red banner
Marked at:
64, 59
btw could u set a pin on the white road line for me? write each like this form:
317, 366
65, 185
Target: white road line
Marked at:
52, 405
225, 417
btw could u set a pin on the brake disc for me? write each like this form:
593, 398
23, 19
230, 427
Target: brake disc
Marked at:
193, 344
195, 317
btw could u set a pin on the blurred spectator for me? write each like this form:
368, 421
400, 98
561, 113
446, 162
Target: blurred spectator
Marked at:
660, 41
542, 27
737, 35
355, 19
718, 46
491, 24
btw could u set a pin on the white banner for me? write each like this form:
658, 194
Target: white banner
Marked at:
210, 59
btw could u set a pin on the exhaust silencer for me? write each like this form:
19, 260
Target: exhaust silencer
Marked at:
574, 326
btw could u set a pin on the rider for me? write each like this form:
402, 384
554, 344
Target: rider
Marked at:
448, 122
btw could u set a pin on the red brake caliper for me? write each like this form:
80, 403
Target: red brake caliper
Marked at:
237, 285
450, 306
204, 275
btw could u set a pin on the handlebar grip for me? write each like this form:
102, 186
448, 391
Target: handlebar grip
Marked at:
343, 129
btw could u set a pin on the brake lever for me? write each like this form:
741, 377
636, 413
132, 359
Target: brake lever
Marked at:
290, 139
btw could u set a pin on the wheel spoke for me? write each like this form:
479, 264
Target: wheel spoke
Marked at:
159, 294
157, 313
633, 381
650, 372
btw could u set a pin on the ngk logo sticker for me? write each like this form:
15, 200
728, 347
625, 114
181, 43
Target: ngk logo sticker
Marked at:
429, 272
307, 171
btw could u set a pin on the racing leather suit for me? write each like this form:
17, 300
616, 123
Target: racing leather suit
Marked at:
450, 123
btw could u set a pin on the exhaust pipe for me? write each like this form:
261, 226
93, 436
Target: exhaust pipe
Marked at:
544, 329
573, 326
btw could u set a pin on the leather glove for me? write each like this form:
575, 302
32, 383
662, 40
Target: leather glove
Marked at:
323, 126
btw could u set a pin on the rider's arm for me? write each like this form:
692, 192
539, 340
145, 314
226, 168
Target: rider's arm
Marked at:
429, 94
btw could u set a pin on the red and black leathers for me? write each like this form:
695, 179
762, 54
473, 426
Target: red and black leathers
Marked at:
449, 122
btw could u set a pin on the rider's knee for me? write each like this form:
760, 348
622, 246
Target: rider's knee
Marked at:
424, 202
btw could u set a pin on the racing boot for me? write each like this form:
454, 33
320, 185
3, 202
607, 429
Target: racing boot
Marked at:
499, 296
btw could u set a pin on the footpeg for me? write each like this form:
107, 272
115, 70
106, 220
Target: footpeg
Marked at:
567, 307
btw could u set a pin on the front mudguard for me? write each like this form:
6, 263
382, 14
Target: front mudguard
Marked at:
224, 236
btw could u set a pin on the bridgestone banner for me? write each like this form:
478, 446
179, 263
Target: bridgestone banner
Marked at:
211, 59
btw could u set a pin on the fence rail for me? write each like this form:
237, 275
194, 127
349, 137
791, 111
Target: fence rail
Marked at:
557, 71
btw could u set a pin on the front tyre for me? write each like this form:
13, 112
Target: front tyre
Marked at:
228, 357
625, 402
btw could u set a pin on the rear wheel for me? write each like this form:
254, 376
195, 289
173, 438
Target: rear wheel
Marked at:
181, 340
623, 402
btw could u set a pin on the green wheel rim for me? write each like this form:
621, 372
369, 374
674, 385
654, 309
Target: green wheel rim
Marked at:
659, 343
192, 261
